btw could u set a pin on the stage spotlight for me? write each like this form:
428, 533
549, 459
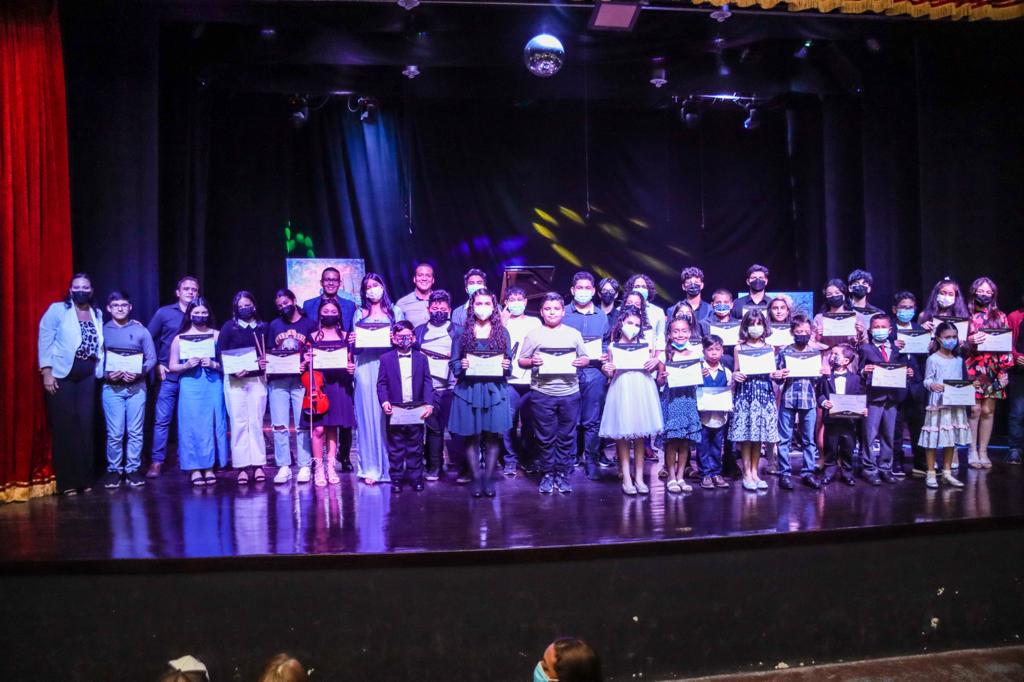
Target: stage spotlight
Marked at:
411, 71
659, 77
804, 50
722, 13
367, 110
408, 4
690, 114
544, 55
298, 108
268, 32
614, 16
753, 119
723, 68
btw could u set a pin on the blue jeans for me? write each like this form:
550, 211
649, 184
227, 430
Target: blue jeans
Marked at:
592, 389
286, 400
787, 417
124, 407
164, 411
1016, 418
710, 450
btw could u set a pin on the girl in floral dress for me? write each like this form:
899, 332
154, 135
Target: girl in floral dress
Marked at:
989, 371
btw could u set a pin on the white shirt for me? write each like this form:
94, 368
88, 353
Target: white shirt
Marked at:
437, 340
405, 369
840, 380
518, 328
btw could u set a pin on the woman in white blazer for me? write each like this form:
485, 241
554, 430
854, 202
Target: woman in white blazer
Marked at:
70, 360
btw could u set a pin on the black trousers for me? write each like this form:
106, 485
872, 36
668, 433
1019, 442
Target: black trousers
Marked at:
436, 423
840, 437
910, 415
405, 453
72, 412
554, 423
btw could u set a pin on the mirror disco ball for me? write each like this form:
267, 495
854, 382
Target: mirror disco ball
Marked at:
544, 55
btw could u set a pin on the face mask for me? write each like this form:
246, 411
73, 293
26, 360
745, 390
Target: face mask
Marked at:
246, 312
473, 288
607, 297
404, 342
642, 291
583, 297
287, 311
949, 343
802, 339
904, 315
758, 285
945, 300
438, 318
200, 320
833, 362
538, 673
517, 308
859, 291
692, 290
879, 334
755, 331
329, 320
835, 301
374, 293
721, 308
80, 297
982, 299
630, 331
680, 346
483, 312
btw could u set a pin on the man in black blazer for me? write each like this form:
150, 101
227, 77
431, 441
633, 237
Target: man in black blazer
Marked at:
841, 432
882, 402
404, 381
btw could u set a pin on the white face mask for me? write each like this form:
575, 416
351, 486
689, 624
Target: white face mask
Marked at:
483, 312
945, 300
375, 293
755, 331
630, 330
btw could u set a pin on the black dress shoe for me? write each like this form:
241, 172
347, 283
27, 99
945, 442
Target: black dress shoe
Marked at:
873, 479
810, 482
478, 490
418, 487
887, 476
786, 482
825, 480
489, 490
848, 480
396, 488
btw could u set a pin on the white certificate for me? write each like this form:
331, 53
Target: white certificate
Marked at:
961, 323
780, 336
805, 365
287, 363
330, 357
998, 341
958, 393
756, 361
375, 336
556, 361
839, 324
488, 365
850, 405
889, 376
406, 416
196, 346
239, 360
729, 332
123, 361
685, 373
915, 341
630, 356
593, 348
439, 365
714, 399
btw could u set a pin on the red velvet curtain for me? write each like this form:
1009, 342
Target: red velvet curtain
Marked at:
35, 229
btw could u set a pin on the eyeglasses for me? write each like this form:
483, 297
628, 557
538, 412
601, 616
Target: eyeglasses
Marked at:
332, 280
117, 306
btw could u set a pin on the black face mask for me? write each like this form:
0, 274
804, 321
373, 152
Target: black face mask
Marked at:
246, 312
835, 301
982, 299
287, 311
329, 320
859, 291
607, 297
758, 285
404, 342
200, 320
438, 317
81, 297
692, 290
802, 339
833, 363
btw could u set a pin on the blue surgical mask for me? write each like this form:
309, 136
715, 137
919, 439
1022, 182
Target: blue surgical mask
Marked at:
949, 343
680, 346
517, 308
473, 288
642, 291
538, 673
722, 308
583, 297
880, 334
904, 315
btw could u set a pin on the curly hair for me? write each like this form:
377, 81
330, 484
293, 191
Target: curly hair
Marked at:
496, 339
627, 311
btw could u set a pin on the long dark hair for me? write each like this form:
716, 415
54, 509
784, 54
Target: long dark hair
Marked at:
838, 284
993, 316
750, 317
931, 308
385, 300
934, 345
496, 339
631, 282
234, 306
186, 322
644, 322
625, 312
319, 333
92, 297
669, 348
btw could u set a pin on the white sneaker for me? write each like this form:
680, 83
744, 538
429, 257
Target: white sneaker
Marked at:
949, 479
304, 475
284, 474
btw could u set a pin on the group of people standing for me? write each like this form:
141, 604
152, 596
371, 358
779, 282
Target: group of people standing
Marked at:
538, 394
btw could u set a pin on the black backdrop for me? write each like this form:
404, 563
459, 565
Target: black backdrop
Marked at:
915, 177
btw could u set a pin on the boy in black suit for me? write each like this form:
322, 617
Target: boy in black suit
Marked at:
404, 381
840, 431
882, 402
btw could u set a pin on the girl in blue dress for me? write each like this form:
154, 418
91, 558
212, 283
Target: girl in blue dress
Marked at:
679, 409
481, 413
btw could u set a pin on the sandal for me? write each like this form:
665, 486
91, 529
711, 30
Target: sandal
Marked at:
243, 477
209, 477
197, 478
258, 475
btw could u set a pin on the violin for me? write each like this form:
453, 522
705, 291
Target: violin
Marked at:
314, 402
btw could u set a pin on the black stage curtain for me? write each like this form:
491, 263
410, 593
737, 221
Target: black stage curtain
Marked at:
915, 177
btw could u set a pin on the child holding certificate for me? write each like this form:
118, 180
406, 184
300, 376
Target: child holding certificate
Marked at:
717, 377
842, 429
835, 315
910, 412
945, 426
339, 391
682, 429
202, 419
632, 410
404, 385
879, 355
797, 404
720, 318
756, 416
989, 370
480, 408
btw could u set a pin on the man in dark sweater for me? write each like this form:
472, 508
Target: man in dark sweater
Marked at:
163, 328
330, 283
